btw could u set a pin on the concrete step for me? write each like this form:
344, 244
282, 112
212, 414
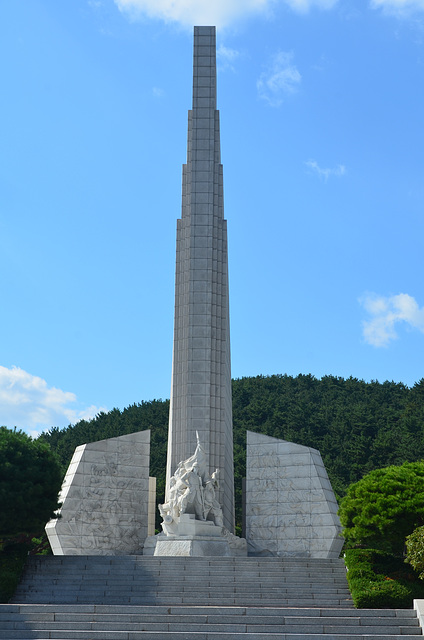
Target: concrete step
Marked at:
57, 609
282, 602
125, 599
192, 635
201, 585
137, 570
187, 577
240, 626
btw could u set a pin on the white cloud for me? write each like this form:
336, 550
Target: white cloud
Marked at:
280, 79
158, 92
27, 402
210, 12
338, 171
193, 12
386, 313
400, 8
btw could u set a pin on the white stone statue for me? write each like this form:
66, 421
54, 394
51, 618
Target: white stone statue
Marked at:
192, 491
211, 507
193, 523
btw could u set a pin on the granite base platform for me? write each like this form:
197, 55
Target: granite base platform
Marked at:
192, 546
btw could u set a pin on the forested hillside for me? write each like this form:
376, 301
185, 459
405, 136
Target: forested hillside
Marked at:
357, 426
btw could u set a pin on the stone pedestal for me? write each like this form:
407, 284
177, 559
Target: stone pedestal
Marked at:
187, 525
187, 536
192, 546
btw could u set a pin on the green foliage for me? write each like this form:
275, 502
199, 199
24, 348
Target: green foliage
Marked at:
13, 554
415, 549
40, 546
11, 566
380, 510
30, 479
379, 580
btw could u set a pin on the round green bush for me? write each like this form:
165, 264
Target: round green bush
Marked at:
385, 506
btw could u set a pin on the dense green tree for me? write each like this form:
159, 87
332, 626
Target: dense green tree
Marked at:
30, 479
384, 507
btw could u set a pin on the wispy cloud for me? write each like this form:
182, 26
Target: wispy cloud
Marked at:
321, 65
158, 92
387, 312
303, 6
399, 8
27, 402
226, 57
324, 174
281, 78
210, 12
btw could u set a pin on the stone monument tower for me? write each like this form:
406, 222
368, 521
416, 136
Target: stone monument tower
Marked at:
290, 505
201, 371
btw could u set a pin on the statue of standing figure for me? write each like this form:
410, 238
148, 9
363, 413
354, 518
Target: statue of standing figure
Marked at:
211, 504
192, 490
193, 493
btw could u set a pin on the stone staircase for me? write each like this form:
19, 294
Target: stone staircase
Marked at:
144, 580
89, 622
146, 598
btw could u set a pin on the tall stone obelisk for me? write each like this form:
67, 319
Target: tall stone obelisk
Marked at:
201, 369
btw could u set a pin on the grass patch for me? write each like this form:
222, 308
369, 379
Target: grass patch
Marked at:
379, 580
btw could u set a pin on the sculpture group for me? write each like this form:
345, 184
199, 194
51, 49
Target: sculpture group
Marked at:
192, 490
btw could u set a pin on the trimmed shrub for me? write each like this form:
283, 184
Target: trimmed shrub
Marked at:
379, 580
384, 507
415, 549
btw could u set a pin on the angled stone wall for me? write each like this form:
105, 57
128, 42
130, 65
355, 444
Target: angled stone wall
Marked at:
291, 509
105, 499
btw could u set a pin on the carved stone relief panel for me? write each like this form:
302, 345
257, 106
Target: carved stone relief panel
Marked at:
291, 509
105, 499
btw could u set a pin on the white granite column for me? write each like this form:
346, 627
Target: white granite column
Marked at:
201, 374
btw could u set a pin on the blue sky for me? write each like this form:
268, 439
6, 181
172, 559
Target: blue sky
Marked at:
323, 149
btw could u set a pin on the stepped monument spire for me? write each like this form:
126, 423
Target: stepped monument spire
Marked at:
201, 369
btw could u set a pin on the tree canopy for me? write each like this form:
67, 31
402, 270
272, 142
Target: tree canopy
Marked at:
384, 507
30, 479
